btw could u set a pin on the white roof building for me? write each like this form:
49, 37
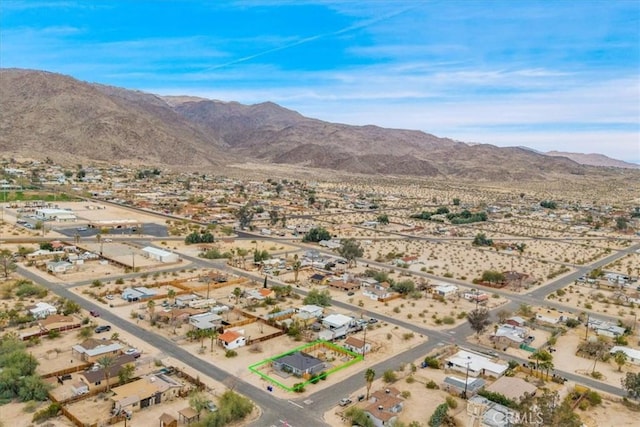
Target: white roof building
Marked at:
335, 321
160, 254
476, 364
205, 320
42, 309
633, 355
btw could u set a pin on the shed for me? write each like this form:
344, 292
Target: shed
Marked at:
160, 254
167, 420
188, 415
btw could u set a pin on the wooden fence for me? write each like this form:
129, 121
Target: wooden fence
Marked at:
70, 370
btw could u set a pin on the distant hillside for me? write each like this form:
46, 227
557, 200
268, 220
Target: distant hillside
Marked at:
49, 115
594, 160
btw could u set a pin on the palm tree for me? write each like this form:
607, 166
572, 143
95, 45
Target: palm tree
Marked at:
172, 294
546, 365
213, 334
106, 362
541, 357
126, 373
151, 308
620, 357
237, 292
369, 376
296, 267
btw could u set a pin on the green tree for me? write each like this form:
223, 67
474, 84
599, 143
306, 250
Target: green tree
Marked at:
479, 319
350, 249
456, 201
440, 416
383, 219
404, 287
70, 307
481, 240
320, 298
631, 383
296, 267
542, 359
316, 234
198, 401
389, 376
85, 332
237, 292
244, 216
357, 416
106, 362
492, 276
7, 266
369, 376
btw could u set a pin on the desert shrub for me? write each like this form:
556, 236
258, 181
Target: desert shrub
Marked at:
230, 353
431, 385
46, 413
448, 320
452, 402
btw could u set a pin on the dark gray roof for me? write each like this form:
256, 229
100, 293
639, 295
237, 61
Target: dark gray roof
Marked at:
95, 376
300, 361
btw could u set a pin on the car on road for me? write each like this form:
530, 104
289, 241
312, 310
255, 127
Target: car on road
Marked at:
107, 240
133, 352
345, 401
109, 296
102, 328
82, 228
94, 313
373, 320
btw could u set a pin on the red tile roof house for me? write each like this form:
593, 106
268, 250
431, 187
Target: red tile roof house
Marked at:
231, 340
385, 406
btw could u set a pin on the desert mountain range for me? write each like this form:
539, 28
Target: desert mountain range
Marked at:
51, 115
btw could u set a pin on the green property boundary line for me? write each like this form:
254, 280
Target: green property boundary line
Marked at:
356, 358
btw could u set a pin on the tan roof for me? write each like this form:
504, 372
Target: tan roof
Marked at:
512, 387
92, 343
354, 342
188, 413
167, 419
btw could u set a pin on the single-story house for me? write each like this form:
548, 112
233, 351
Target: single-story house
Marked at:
512, 387
456, 386
97, 376
310, 311
490, 414
509, 335
299, 364
42, 309
178, 315
551, 317
184, 300
205, 320
633, 355
92, 349
357, 345
231, 340
44, 254
445, 290
475, 364
58, 322
59, 266
344, 285
378, 291
516, 321
147, 391
384, 407
138, 293
337, 321
160, 254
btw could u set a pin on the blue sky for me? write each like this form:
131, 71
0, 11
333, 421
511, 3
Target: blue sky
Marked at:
560, 75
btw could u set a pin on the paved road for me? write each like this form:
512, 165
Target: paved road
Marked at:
299, 413
273, 410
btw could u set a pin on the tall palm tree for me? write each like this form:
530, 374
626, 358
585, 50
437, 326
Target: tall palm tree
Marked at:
541, 357
237, 292
296, 267
213, 334
172, 294
620, 357
126, 373
106, 362
151, 308
369, 376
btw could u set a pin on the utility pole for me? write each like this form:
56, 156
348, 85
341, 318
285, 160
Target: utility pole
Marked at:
586, 333
466, 379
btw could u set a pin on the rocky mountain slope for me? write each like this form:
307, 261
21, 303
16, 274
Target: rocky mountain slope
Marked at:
593, 159
46, 114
